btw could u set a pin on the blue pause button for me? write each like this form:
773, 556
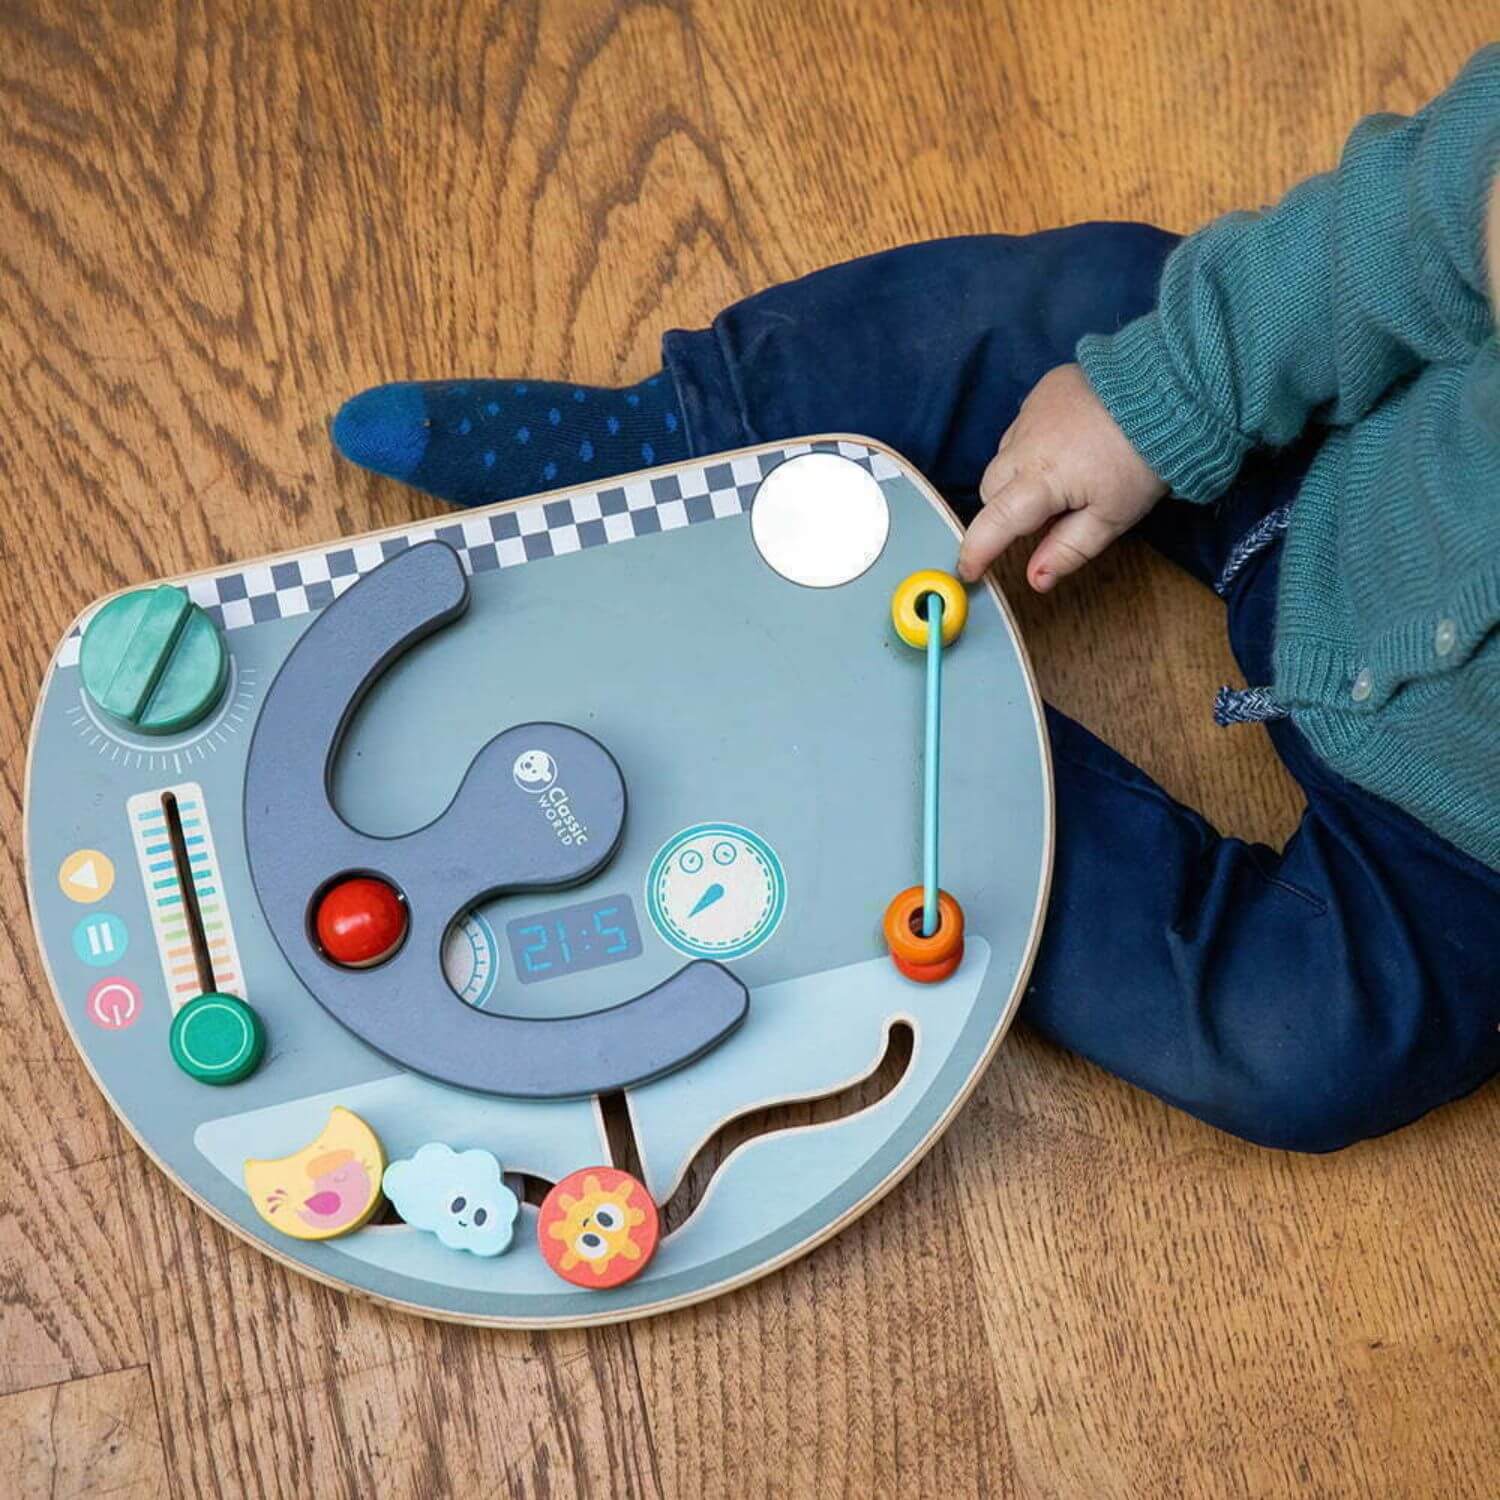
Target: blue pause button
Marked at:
100, 939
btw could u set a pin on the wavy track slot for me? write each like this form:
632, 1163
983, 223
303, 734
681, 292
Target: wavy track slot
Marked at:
825, 1109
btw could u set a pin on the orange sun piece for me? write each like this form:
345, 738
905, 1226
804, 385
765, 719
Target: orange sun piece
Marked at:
598, 1227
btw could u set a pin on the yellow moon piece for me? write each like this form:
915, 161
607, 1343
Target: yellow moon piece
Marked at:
328, 1188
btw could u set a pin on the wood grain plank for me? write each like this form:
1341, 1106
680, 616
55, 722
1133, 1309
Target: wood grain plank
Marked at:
84, 1439
1148, 1292
1320, 1340
1405, 1233
273, 1385
860, 1370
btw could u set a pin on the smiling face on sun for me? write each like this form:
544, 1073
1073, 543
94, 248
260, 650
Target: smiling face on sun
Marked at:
598, 1228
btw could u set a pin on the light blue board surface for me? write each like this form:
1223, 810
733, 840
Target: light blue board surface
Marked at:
805, 1037
726, 694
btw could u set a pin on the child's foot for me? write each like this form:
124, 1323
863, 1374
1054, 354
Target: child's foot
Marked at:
475, 441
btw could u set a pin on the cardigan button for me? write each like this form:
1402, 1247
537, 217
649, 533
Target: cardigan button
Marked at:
1444, 637
1364, 685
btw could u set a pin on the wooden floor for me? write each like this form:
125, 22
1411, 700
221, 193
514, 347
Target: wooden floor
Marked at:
213, 226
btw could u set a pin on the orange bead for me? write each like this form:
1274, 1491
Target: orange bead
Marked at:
903, 930
360, 922
928, 973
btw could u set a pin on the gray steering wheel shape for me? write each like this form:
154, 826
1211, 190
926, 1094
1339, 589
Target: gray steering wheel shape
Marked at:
494, 837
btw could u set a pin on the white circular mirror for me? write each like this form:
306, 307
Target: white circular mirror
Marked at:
820, 519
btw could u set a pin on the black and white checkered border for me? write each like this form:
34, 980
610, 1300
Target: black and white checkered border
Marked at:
307, 581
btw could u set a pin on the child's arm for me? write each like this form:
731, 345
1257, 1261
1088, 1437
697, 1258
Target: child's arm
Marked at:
1493, 234
1313, 308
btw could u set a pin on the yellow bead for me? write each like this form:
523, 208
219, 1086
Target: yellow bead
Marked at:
910, 625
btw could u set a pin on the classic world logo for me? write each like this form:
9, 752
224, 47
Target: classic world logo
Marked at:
535, 772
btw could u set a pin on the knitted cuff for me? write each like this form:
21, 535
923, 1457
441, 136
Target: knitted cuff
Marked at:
1188, 447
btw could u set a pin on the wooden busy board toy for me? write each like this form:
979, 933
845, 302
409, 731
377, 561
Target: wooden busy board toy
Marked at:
371, 880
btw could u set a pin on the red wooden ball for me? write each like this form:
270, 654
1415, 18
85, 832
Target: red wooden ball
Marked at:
360, 922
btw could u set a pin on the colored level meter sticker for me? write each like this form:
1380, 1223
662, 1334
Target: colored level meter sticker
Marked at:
100, 939
114, 1004
169, 920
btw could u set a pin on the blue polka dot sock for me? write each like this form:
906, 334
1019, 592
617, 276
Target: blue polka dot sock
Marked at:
476, 441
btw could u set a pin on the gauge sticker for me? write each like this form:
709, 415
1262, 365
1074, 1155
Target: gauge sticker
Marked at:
716, 890
471, 959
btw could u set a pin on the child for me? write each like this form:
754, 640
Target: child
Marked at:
1301, 407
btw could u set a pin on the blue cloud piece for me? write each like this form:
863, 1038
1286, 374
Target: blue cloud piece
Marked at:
459, 1196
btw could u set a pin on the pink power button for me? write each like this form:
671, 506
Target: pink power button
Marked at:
114, 1004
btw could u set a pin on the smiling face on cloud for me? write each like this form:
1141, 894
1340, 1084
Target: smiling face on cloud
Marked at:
459, 1196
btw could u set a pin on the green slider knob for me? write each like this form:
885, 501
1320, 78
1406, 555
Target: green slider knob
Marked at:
217, 1039
152, 659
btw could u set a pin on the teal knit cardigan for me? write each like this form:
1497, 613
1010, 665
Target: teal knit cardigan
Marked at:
1359, 303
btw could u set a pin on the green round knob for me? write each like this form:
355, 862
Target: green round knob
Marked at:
152, 659
217, 1039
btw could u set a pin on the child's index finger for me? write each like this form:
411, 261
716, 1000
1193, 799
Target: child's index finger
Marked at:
1020, 507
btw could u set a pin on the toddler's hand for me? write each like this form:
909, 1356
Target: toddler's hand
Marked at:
1063, 457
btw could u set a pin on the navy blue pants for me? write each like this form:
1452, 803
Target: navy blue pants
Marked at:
1302, 999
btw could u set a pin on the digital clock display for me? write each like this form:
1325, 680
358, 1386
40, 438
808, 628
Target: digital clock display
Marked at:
570, 939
